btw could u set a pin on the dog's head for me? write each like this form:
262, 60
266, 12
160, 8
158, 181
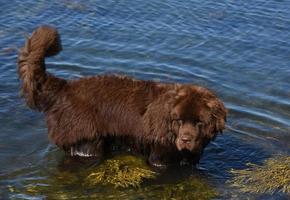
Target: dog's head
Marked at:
196, 118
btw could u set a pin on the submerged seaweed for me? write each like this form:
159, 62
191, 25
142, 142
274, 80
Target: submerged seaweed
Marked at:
108, 181
272, 176
193, 187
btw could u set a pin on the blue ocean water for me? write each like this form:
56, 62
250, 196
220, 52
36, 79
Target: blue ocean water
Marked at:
239, 49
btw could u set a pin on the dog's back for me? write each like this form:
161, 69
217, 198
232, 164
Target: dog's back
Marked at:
99, 106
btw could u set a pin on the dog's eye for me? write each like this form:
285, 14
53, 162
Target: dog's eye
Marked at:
199, 124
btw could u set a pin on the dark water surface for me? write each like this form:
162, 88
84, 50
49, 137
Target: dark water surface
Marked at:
239, 49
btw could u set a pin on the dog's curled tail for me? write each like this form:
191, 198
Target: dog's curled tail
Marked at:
44, 42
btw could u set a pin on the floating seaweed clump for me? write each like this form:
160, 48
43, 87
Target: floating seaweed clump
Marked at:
273, 176
123, 171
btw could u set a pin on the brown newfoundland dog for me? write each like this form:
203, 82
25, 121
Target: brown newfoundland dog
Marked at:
169, 123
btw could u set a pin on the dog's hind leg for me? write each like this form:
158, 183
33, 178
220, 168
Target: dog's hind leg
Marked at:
87, 149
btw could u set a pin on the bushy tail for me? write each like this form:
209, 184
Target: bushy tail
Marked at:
44, 42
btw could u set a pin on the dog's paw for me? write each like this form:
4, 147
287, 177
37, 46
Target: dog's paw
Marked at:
74, 152
184, 162
157, 163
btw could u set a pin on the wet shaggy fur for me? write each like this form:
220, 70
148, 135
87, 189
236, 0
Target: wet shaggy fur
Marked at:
167, 122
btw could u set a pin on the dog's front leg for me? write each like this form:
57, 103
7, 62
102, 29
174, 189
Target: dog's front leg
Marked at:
159, 156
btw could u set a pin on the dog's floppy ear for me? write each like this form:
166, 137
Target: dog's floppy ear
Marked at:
218, 118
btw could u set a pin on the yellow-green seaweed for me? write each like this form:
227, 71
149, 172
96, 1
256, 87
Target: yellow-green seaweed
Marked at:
272, 176
124, 171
